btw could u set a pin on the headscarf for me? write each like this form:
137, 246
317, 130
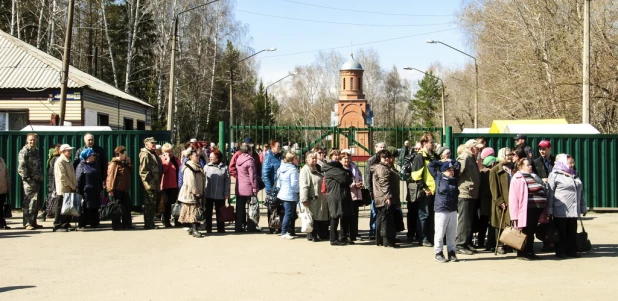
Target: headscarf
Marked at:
87, 152
50, 155
502, 154
562, 164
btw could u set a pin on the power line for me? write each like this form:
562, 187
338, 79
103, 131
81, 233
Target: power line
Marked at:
364, 11
360, 44
342, 23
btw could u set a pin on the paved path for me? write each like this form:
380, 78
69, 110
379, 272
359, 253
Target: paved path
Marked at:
168, 264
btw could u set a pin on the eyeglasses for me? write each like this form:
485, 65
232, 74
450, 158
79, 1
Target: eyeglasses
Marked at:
510, 154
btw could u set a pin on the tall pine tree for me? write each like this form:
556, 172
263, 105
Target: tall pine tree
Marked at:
426, 101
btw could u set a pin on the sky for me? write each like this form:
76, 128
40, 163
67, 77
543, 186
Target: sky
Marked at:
274, 23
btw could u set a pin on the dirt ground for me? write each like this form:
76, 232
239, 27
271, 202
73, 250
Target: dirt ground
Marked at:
168, 264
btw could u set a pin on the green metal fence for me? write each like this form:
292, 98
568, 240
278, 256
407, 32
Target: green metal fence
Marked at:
11, 142
595, 156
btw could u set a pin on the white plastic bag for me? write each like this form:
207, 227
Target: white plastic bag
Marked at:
254, 210
306, 219
71, 204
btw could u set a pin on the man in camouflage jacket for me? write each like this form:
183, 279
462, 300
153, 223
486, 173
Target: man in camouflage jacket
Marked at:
150, 172
30, 168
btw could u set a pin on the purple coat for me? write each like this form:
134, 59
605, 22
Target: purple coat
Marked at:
246, 181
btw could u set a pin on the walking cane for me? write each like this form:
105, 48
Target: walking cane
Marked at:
499, 228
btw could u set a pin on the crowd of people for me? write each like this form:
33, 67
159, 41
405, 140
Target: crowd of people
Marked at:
464, 202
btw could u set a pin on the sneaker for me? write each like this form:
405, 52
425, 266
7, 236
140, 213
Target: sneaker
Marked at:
186, 228
337, 243
501, 251
464, 251
440, 258
287, 236
452, 257
426, 243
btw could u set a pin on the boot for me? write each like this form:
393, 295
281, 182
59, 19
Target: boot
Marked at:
195, 232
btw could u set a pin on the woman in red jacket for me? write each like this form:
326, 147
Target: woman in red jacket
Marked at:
169, 182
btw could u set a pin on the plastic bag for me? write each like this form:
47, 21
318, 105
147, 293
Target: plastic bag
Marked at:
254, 210
71, 204
306, 219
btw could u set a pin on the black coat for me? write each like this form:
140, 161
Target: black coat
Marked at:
89, 184
100, 161
338, 181
539, 168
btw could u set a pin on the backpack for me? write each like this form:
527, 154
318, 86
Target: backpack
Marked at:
405, 172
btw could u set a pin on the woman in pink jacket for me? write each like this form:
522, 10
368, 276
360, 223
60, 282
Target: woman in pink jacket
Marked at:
527, 205
246, 187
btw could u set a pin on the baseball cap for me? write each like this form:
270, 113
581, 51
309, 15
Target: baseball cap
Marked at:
193, 140
248, 140
150, 139
545, 144
489, 160
520, 136
446, 165
65, 147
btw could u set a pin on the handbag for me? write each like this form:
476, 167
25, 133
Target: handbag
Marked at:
176, 208
227, 214
199, 213
254, 210
274, 220
306, 219
513, 237
414, 191
366, 196
581, 239
548, 233
323, 187
71, 204
110, 211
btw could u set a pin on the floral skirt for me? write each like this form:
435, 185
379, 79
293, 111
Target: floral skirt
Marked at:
188, 214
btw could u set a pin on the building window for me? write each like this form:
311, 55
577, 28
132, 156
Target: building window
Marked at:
102, 120
344, 83
351, 83
128, 124
13, 120
141, 125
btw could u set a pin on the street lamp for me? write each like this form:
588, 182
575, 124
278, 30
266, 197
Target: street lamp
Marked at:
267, 104
476, 90
170, 100
232, 89
443, 115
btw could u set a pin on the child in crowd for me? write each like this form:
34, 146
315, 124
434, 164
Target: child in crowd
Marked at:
445, 206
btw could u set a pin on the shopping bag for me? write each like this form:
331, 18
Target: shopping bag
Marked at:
71, 204
254, 210
176, 210
306, 219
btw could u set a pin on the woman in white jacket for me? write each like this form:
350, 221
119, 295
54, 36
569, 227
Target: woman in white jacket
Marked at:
565, 203
191, 193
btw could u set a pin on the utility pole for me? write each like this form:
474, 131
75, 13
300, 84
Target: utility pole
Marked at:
231, 106
65, 63
170, 97
586, 66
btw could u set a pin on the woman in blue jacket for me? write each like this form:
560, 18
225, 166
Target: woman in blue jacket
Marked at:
272, 161
287, 181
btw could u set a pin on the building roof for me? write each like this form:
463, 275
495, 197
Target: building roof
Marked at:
498, 126
551, 129
23, 66
352, 64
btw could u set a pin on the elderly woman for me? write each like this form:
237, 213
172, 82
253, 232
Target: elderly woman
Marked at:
499, 179
246, 187
287, 181
118, 184
340, 206
311, 196
217, 189
169, 181
191, 192
565, 203
386, 197
355, 190
527, 205
89, 187
52, 156
485, 206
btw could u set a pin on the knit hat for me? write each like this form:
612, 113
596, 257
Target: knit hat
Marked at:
489, 161
447, 165
441, 150
87, 152
488, 151
393, 151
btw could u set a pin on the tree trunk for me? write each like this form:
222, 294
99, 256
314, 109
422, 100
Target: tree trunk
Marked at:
39, 31
132, 32
109, 44
13, 12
